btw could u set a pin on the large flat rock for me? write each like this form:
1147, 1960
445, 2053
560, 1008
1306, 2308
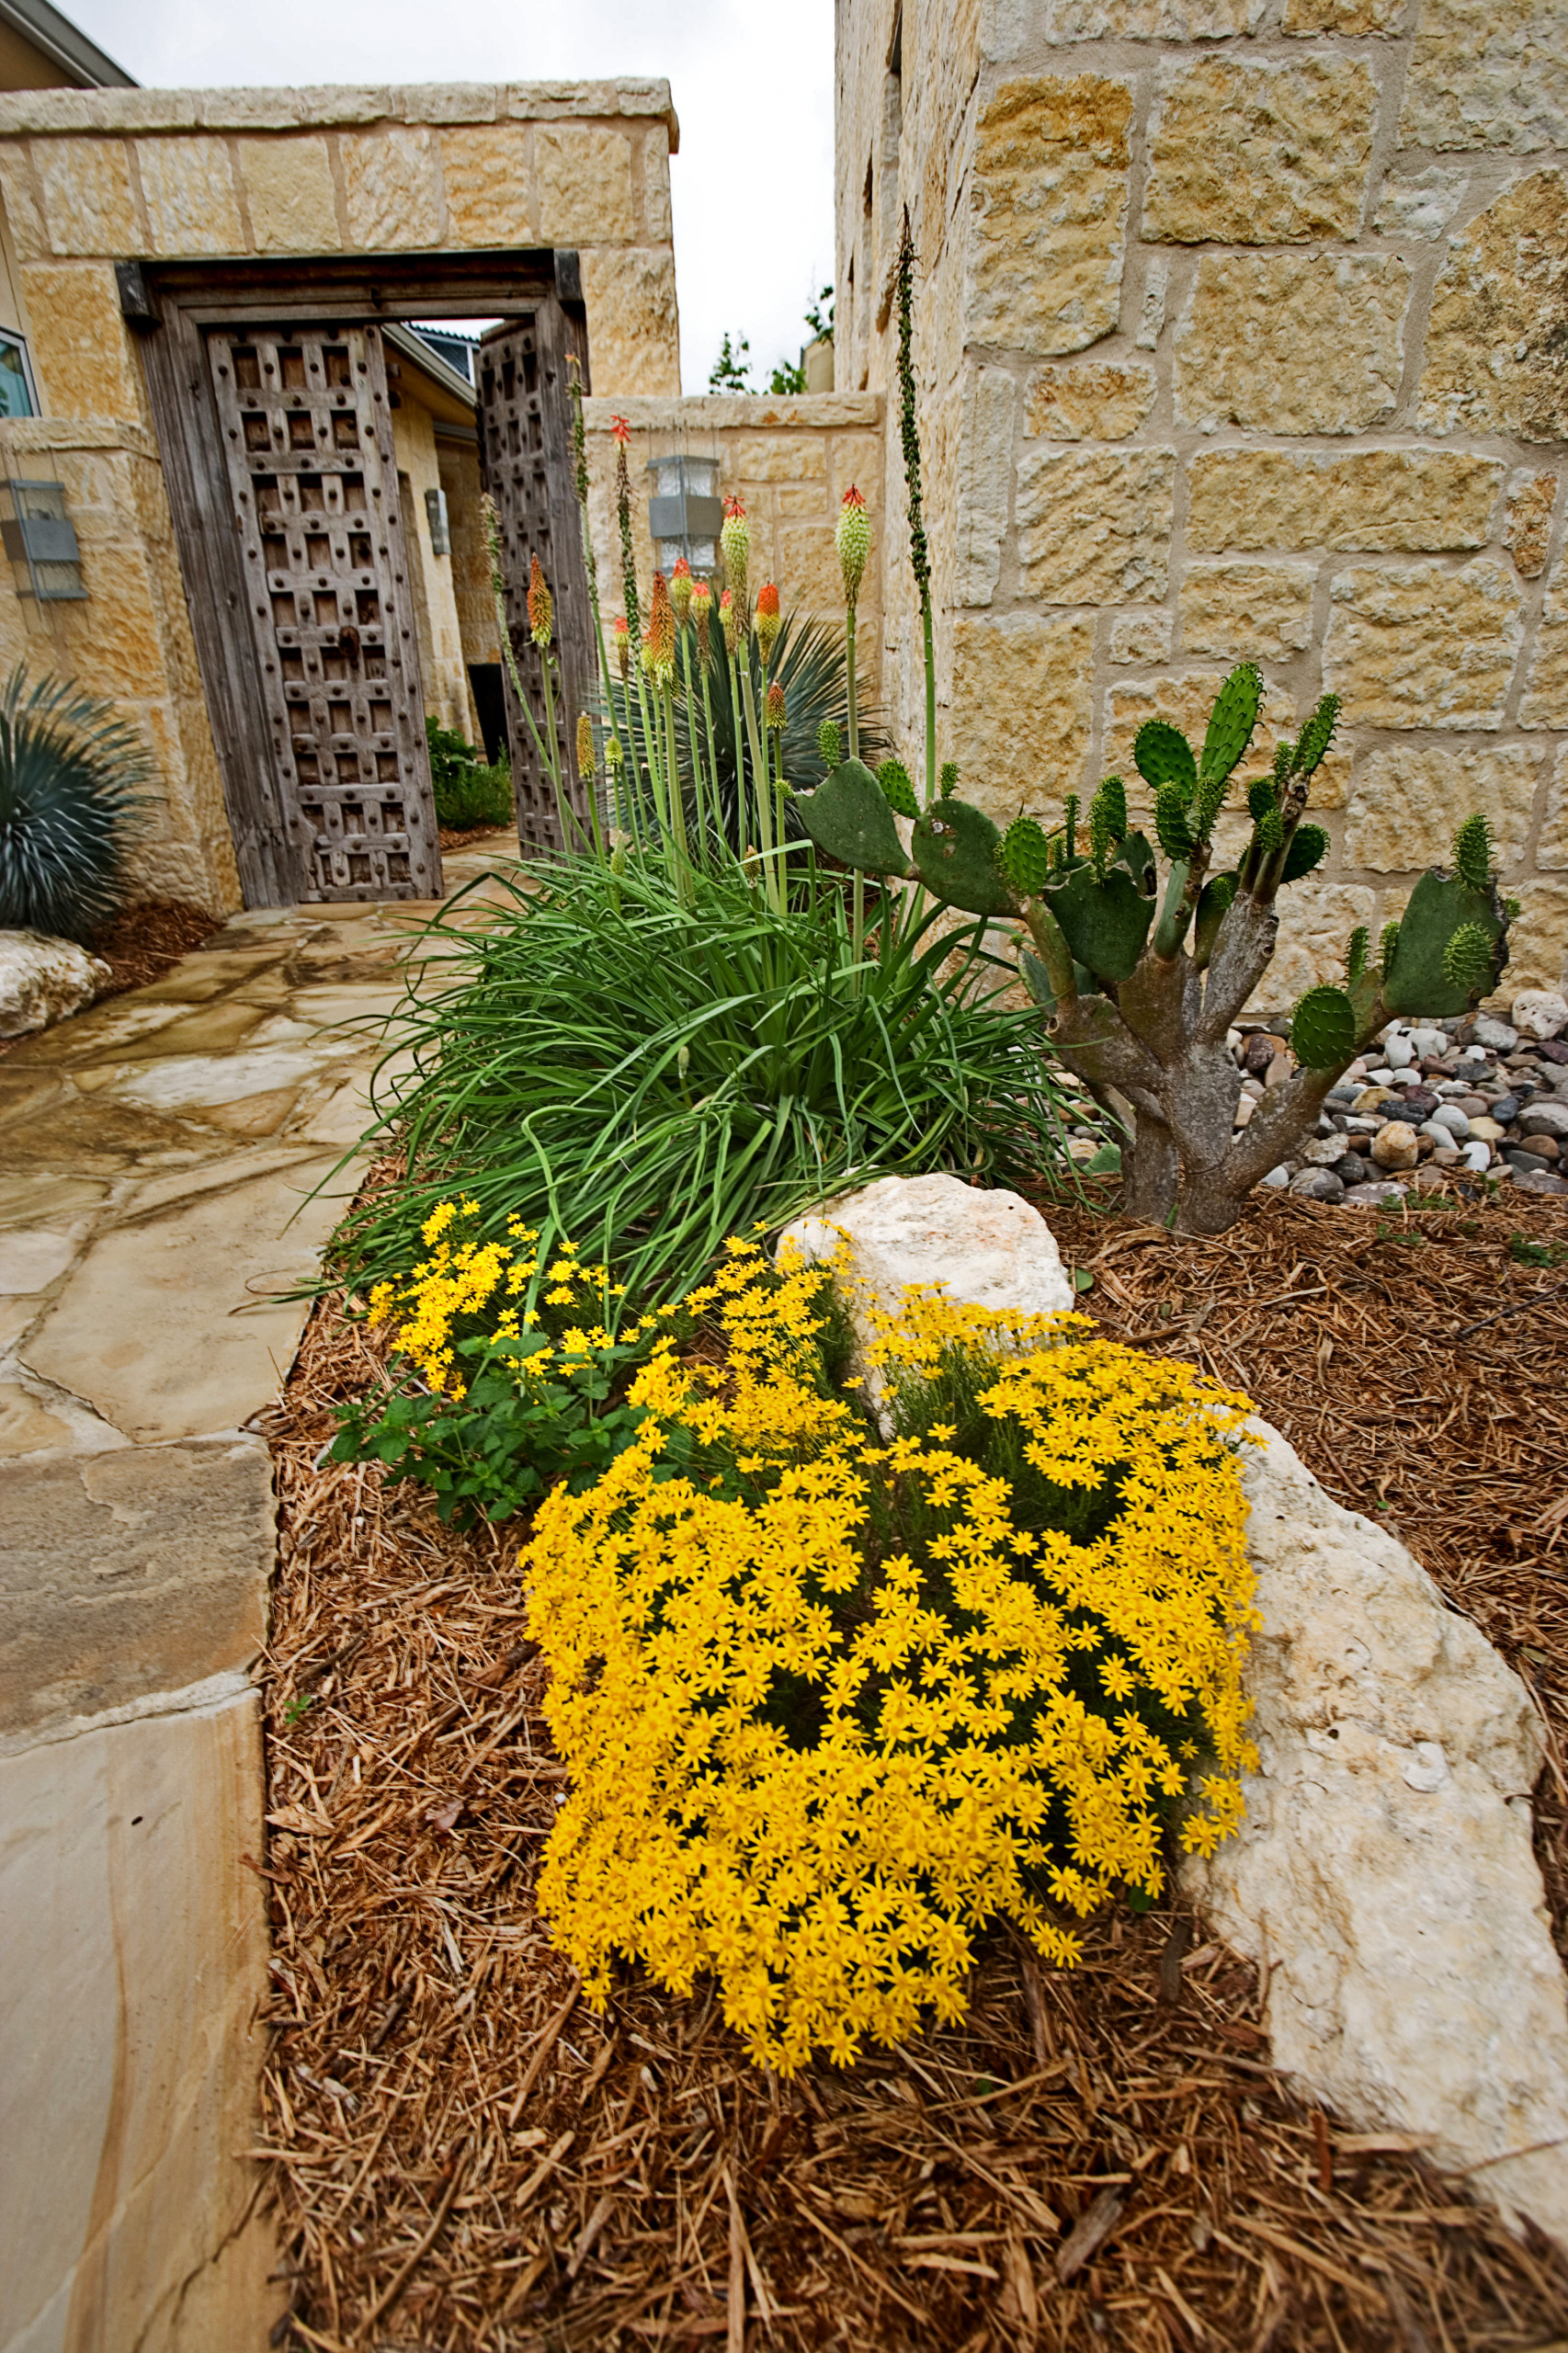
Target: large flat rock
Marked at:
125, 1572
177, 1320
133, 1955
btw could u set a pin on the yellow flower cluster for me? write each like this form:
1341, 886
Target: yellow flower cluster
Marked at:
831, 1706
451, 1290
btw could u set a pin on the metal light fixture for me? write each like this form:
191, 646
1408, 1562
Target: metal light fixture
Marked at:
40, 540
440, 530
686, 511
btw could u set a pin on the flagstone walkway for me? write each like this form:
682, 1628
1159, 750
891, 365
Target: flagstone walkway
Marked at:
169, 1174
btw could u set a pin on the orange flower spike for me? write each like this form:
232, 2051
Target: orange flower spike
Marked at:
775, 710
621, 637
728, 613
541, 608
735, 540
701, 613
681, 587
662, 631
768, 623
621, 430
854, 537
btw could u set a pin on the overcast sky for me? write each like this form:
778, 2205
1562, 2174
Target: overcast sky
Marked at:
752, 82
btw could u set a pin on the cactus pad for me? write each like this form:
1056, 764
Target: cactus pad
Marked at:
1316, 736
1309, 847
1467, 959
1214, 901
848, 817
1163, 756
1388, 940
897, 790
1137, 854
1105, 923
1026, 857
955, 846
1472, 853
1109, 808
947, 780
1232, 722
1170, 823
828, 743
1322, 1029
1416, 979
1261, 798
1356, 953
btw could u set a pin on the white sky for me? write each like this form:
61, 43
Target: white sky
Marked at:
752, 82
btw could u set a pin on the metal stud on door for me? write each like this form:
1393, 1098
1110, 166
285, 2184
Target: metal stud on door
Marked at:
307, 437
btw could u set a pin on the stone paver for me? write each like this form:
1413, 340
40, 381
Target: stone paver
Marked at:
171, 1163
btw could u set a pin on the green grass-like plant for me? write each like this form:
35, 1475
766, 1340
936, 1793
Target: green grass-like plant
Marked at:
647, 1060
71, 801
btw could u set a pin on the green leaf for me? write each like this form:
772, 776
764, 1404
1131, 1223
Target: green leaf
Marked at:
848, 817
1163, 756
1106, 1162
956, 851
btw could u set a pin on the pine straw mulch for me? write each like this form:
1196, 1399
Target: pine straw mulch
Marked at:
465, 2157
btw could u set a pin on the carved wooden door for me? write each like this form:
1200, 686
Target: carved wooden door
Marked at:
525, 440
307, 437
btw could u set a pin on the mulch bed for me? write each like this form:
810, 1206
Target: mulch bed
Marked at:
465, 2157
144, 942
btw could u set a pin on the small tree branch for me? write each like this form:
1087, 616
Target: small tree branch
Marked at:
1241, 952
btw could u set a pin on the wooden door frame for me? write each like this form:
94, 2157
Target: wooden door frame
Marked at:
170, 304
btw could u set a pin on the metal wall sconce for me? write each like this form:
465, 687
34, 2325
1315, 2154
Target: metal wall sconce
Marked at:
685, 512
40, 540
440, 530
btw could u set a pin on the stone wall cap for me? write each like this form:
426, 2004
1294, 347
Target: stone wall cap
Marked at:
329, 105
752, 412
42, 436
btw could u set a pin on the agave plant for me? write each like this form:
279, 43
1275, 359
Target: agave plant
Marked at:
71, 799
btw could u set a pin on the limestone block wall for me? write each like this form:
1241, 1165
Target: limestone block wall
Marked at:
1240, 336
129, 640
88, 177
788, 460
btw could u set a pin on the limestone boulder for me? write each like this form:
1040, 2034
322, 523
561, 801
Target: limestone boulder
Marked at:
42, 980
985, 1249
1384, 1875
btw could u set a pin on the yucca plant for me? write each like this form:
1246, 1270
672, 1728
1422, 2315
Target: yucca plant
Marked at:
71, 801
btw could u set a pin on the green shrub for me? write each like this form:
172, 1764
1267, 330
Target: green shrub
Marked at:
649, 1059
468, 793
71, 775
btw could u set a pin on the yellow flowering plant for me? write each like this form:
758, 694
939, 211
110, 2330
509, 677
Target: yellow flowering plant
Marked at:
507, 1375
834, 1704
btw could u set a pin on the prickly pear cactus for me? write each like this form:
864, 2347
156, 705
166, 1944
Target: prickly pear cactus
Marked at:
1417, 979
956, 850
1163, 756
1105, 923
1026, 857
848, 817
1322, 1029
